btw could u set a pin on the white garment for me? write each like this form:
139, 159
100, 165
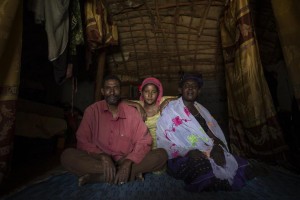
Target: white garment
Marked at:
55, 14
178, 132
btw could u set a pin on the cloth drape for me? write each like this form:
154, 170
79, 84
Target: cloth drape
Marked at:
287, 17
76, 30
55, 15
178, 132
253, 128
10, 57
100, 29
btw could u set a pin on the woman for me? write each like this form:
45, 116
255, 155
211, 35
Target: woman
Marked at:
196, 146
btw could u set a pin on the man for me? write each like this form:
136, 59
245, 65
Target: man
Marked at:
113, 142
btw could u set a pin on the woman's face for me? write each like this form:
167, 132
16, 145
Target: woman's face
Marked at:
150, 93
190, 90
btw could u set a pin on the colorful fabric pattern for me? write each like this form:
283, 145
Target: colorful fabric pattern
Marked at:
178, 132
100, 30
254, 129
76, 31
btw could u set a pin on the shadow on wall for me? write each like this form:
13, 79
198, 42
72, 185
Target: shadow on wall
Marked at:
82, 98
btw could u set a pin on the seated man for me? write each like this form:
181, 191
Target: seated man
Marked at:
196, 146
113, 142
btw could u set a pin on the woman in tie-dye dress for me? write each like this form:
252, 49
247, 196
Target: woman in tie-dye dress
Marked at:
196, 146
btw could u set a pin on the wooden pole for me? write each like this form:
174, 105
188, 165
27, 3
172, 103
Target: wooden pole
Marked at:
100, 73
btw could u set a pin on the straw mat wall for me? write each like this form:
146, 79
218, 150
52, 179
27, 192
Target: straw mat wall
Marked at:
163, 38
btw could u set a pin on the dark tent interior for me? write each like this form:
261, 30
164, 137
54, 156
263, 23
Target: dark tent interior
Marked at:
43, 96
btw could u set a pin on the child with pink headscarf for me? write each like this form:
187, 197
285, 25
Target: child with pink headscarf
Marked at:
152, 101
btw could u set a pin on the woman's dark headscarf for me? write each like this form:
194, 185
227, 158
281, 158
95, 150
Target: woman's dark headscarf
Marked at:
196, 77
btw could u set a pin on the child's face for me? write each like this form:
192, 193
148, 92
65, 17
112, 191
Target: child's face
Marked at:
150, 94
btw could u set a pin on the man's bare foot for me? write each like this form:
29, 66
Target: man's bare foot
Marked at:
90, 178
83, 179
139, 177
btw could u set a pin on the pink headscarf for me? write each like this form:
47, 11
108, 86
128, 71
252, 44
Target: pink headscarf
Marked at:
157, 83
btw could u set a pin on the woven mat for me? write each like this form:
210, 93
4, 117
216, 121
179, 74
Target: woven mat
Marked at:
277, 184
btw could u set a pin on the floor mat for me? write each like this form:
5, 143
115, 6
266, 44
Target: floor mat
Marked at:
277, 184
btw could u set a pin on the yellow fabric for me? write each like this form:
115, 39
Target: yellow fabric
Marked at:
10, 57
287, 16
254, 130
10, 48
151, 122
100, 29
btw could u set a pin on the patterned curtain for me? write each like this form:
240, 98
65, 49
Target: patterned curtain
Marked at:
287, 16
10, 57
253, 128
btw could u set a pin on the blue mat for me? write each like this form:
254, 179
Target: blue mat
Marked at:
277, 184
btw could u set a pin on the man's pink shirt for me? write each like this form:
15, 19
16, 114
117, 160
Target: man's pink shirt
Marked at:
125, 136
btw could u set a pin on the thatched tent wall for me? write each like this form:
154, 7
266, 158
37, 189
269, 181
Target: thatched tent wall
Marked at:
163, 38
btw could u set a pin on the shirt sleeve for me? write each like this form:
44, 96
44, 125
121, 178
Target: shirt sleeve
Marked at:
142, 140
84, 133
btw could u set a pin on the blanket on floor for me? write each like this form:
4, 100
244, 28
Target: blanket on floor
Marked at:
276, 184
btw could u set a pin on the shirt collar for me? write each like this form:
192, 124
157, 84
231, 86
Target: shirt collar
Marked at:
121, 112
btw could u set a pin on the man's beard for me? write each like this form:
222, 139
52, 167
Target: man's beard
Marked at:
112, 99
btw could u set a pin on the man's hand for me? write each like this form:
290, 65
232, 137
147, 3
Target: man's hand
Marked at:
123, 172
109, 169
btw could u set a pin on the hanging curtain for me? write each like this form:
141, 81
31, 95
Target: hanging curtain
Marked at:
10, 57
101, 31
287, 16
253, 128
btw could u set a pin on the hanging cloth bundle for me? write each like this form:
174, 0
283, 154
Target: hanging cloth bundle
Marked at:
100, 30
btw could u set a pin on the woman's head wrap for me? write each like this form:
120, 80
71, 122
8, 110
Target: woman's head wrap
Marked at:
196, 77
